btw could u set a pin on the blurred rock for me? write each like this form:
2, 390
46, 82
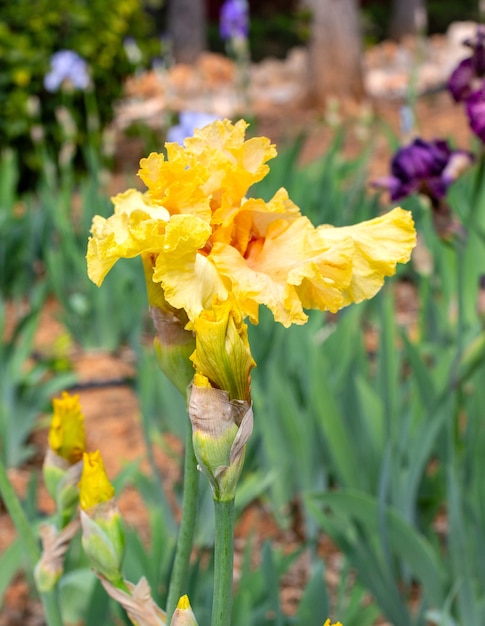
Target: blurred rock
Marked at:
210, 85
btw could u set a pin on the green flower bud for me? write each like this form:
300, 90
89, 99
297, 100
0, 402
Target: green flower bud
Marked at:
220, 430
61, 480
103, 539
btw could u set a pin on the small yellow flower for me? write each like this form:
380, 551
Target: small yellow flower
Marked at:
327, 623
94, 486
206, 240
66, 436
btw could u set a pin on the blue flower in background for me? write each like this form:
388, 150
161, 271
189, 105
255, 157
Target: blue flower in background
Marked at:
189, 121
469, 73
234, 19
67, 67
427, 167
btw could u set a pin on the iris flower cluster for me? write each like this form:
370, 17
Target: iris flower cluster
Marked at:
429, 168
467, 82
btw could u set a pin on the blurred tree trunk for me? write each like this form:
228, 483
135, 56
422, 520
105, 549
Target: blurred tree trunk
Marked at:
187, 25
408, 17
335, 50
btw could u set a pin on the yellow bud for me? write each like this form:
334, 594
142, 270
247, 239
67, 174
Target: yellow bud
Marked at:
103, 536
94, 486
183, 603
327, 623
66, 436
183, 615
222, 353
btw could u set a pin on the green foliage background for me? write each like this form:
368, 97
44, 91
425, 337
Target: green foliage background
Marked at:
30, 32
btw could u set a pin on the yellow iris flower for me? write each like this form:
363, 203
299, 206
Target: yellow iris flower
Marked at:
205, 239
66, 435
94, 486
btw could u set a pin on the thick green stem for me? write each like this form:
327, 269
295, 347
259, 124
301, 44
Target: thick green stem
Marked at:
51, 608
29, 541
178, 580
223, 563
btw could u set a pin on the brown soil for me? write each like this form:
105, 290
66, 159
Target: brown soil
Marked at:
112, 412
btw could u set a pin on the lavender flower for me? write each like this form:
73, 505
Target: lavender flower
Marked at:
427, 167
234, 19
189, 121
67, 67
469, 73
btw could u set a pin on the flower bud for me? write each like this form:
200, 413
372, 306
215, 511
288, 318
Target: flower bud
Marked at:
63, 461
183, 615
103, 537
220, 396
221, 428
222, 352
173, 343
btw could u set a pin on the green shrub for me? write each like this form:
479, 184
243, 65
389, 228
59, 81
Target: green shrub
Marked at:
30, 32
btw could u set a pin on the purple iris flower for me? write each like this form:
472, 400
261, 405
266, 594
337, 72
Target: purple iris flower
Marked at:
475, 108
67, 66
469, 73
189, 121
234, 19
427, 167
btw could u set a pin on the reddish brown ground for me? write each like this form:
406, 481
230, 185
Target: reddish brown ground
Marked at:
112, 413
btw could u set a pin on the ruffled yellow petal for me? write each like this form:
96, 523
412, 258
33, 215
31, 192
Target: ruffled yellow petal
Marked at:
94, 486
379, 244
135, 227
233, 164
189, 279
176, 184
67, 437
291, 268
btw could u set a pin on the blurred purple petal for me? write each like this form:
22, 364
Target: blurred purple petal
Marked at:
469, 73
234, 19
189, 121
67, 66
475, 108
460, 81
427, 167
